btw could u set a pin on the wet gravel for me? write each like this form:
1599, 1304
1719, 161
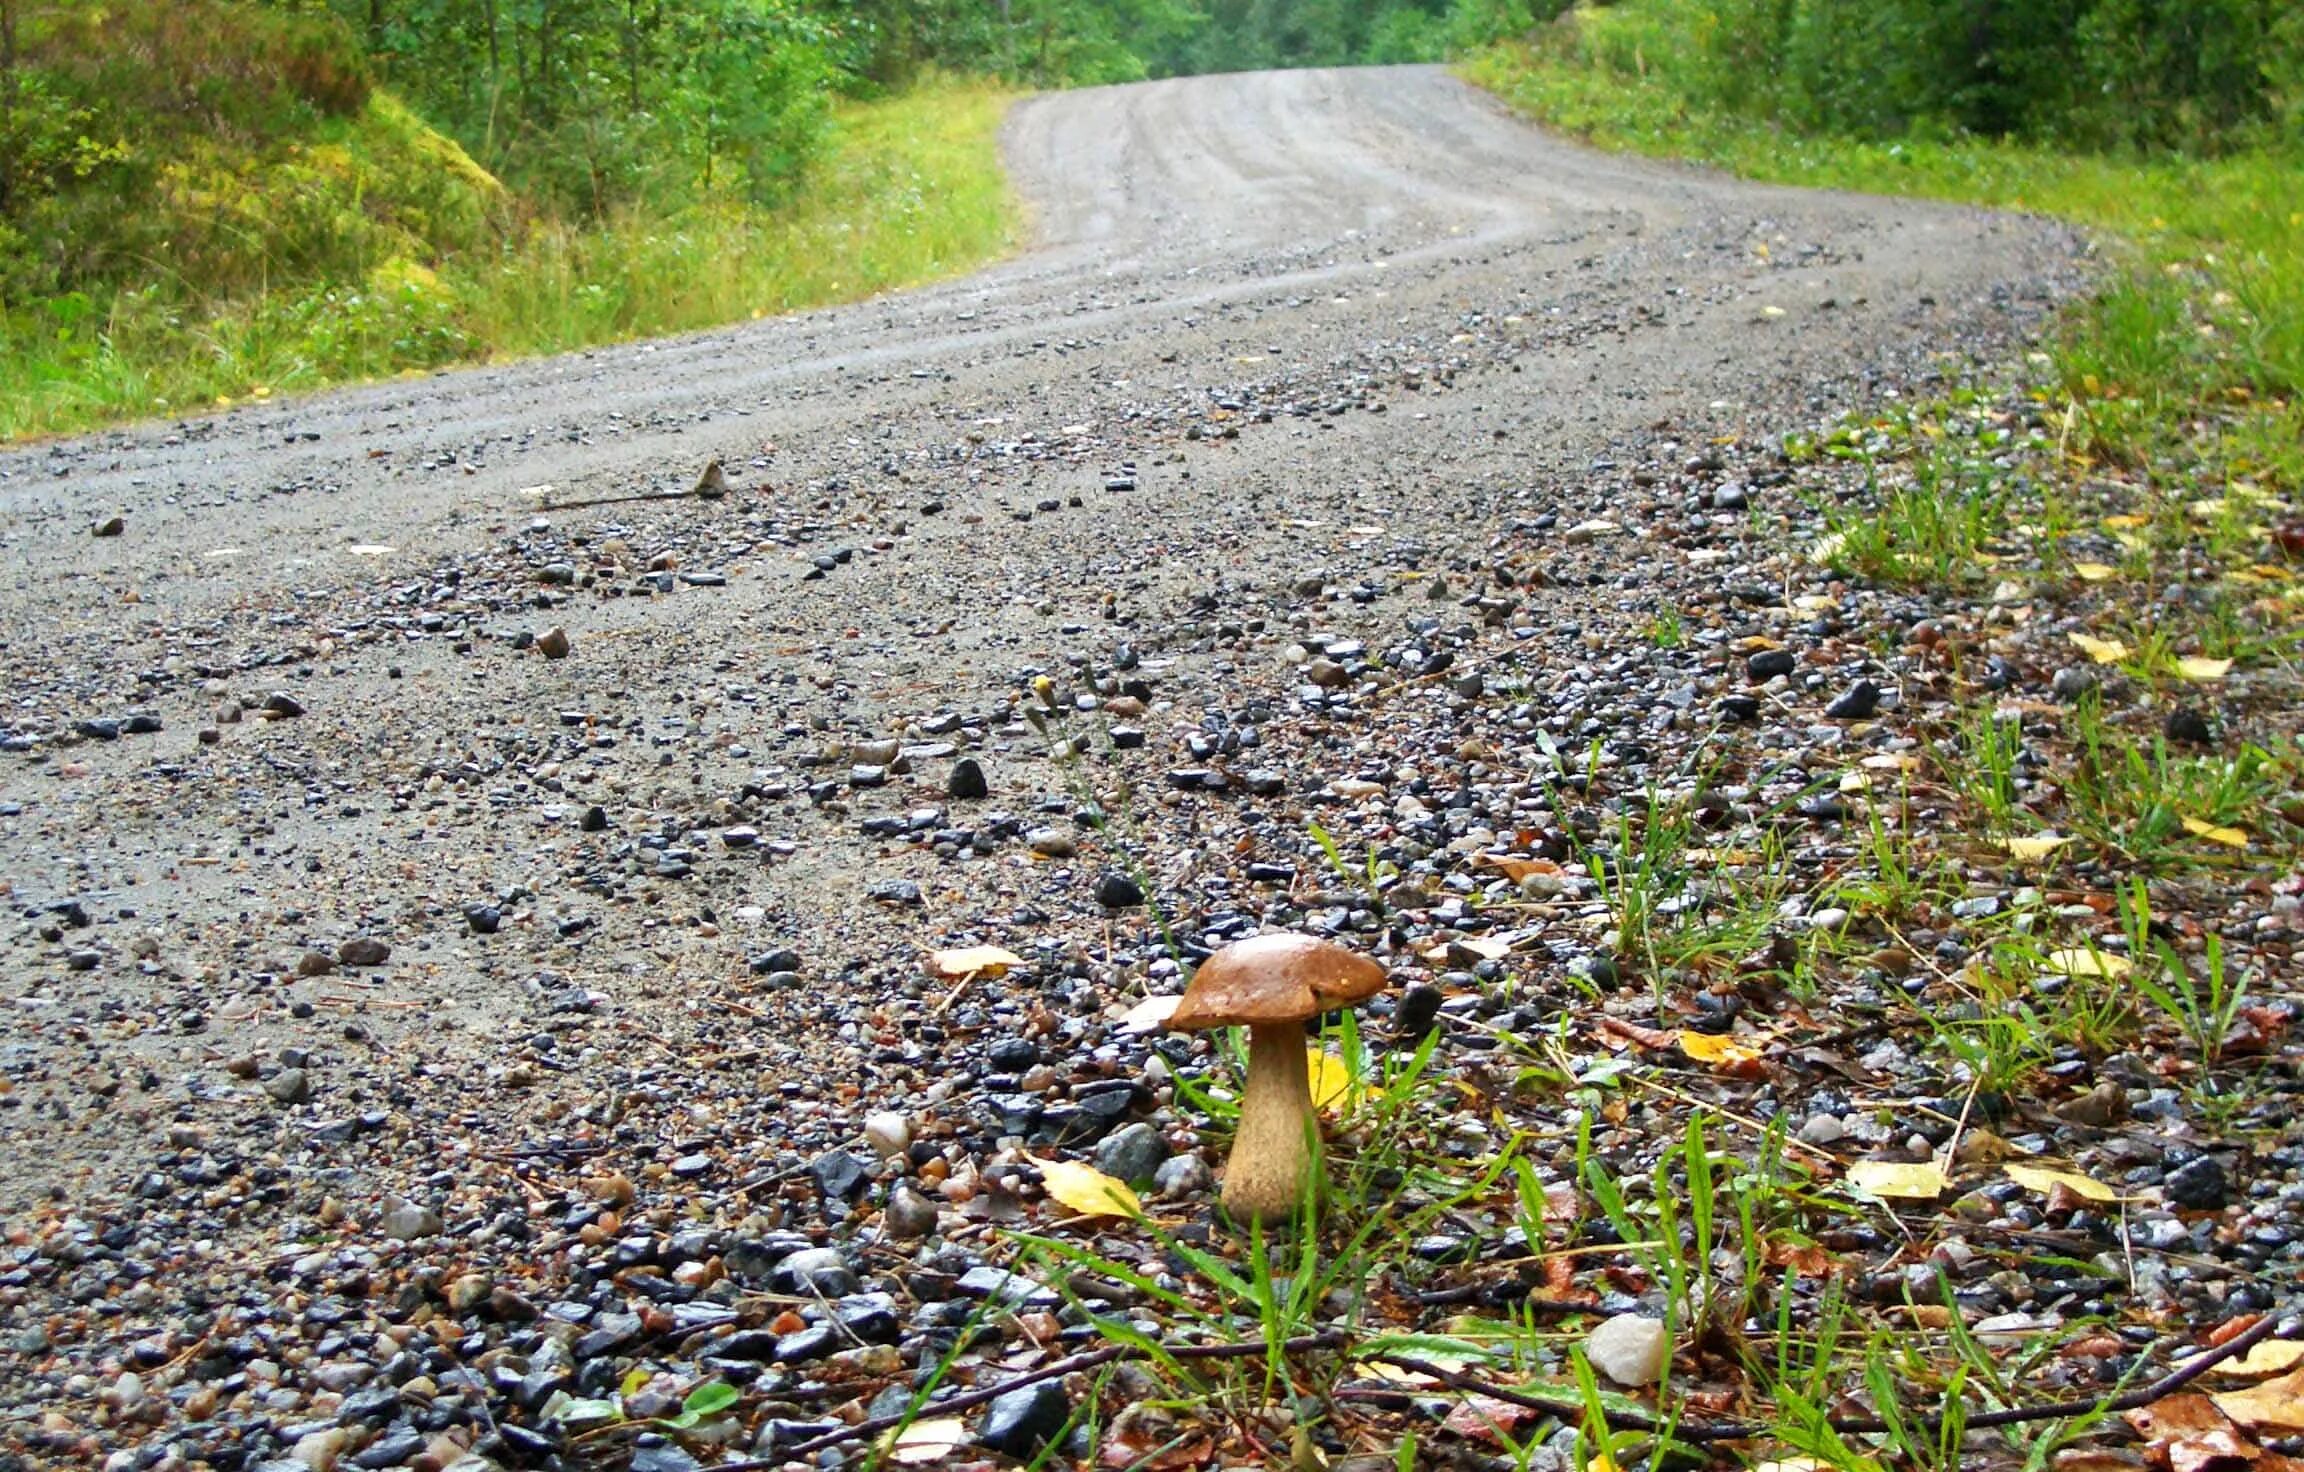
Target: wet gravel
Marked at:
467, 955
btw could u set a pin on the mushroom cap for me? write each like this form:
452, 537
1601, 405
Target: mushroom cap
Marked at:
1275, 978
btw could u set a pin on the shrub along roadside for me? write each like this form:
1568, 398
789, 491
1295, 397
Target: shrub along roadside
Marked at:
907, 190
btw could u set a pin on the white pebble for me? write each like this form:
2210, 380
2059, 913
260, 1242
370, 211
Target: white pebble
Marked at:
1628, 1349
888, 1133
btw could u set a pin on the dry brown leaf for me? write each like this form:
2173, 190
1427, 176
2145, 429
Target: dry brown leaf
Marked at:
1517, 869
2275, 1406
2271, 1357
2188, 1432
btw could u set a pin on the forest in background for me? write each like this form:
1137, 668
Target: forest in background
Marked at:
203, 198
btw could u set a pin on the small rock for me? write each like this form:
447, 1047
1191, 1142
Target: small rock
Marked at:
1855, 703
1051, 843
888, 1132
2188, 726
110, 526
1628, 1349
289, 1086
2072, 682
909, 1214
2199, 1184
967, 780
1116, 891
363, 950
553, 643
1181, 1176
1021, 1422
815, 1271
1768, 664
407, 1222
1132, 1152
280, 706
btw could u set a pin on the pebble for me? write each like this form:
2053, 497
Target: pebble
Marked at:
1767, 664
289, 1086
908, 1214
1022, 1421
553, 643
1116, 891
888, 1132
2199, 1184
1132, 1152
1182, 1176
363, 950
2189, 727
1628, 1349
408, 1222
2072, 682
1855, 703
966, 782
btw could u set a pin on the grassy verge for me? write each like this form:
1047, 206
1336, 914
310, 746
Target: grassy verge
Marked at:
910, 190
2197, 348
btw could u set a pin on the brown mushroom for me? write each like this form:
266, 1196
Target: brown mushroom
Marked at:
1272, 985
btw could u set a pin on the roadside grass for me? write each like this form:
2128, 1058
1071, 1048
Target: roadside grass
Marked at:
909, 190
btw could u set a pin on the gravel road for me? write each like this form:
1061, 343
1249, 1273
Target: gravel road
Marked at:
1279, 342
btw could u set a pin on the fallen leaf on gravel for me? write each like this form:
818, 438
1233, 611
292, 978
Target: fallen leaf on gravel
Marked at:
2033, 846
2103, 651
2275, 1405
926, 1441
2086, 962
2193, 667
2036, 1178
2271, 1357
1150, 1015
986, 961
1484, 1418
1487, 947
1333, 1086
1723, 1052
1516, 869
1898, 1180
1087, 1190
2095, 572
2189, 1433
1646, 1037
2229, 837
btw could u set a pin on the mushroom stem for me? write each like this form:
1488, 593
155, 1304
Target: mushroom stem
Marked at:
1271, 1163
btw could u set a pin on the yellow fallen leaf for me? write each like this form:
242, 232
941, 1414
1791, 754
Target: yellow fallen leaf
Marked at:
986, 961
2103, 651
1333, 1086
1713, 1048
2229, 837
1896, 1180
925, 1441
2194, 667
2033, 846
1087, 1190
2275, 1405
2095, 572
2086, 962
2272, 1357
2035, 1178
2127, 522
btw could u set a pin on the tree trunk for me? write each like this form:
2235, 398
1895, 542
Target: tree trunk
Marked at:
375, 27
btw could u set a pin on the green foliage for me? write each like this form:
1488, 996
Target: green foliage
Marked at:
2204, 75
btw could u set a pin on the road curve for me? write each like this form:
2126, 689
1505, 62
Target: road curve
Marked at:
1271, 327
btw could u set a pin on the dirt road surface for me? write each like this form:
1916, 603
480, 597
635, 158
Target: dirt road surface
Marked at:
1284, 350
